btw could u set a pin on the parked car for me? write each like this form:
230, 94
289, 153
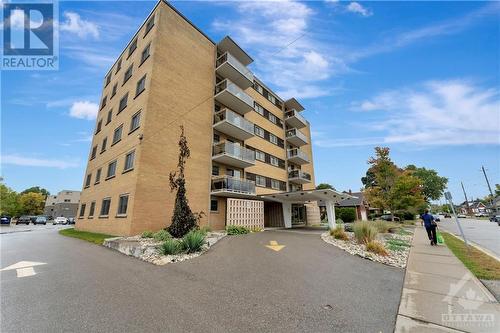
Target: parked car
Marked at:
495, 218
40, 220
389, 217
71, 220
462, 216
480, 215
5, 219
436, 217
60, 220
23, 219
447, 215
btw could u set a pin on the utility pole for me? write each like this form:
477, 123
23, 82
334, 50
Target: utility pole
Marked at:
449, 198
488, 182
466, 200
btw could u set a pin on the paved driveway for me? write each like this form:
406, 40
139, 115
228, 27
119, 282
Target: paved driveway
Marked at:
238, 286
482, 232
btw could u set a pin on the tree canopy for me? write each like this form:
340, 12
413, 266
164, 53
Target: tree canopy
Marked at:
324, 186
433, 185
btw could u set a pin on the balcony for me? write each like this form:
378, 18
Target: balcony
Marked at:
294, 119
297, 156
299, 177
229, 67
232, 124
232, 96
296, 137
227, 186
233, 154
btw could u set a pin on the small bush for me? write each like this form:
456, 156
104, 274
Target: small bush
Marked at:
193, 241
147, 234
256, 229
364, 232
339, 233
171, 246
382, 226
347, 214
339, 221
205, 230
376, 247
236, 230
162, 235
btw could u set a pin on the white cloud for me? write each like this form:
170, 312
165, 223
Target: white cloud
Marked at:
15, 159
84, 110
78, 26
356, 7
453, 112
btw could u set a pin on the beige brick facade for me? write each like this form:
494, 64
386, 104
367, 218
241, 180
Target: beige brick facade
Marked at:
180, 80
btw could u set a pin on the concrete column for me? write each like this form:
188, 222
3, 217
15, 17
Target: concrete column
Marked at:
287, 214
330, 213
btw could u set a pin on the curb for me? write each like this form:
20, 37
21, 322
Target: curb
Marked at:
477, 247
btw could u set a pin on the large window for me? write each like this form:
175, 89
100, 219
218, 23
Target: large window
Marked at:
135, 122
122, 204
128, 73
117, 134
111, 169
132, 47
273, 138
104, 144
274, 161
260, 180
275, 184
149, 25
82, 210
259, 131
129, 161
145, 53
106, 203
260, 155
98, 176
94, 152
123, 103
92, 209
141, 86
87, 180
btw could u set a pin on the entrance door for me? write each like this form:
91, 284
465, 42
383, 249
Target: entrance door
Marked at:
298, 214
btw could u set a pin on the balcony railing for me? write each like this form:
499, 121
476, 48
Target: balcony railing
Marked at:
296, 137
233, 154
295, 119
231, 60
232, 96
299, 176
233, 185
231, 123
298, 156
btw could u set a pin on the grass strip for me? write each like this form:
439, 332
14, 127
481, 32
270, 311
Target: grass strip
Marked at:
85, 235
480, 264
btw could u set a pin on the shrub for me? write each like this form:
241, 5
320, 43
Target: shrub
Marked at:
376, 247
382, 226
348, 227
147, 234
236, 230
347, 214
339, 221
161, 235
339, 233
171, 246
256, 229
364, 232
193, 241
205, 230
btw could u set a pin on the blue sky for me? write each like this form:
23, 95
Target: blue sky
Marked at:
419, 77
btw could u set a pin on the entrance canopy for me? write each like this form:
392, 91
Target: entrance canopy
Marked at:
326, 197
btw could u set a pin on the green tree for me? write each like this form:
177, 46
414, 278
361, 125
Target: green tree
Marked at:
406, 194
497, 190
324, 186
346, 214
183, 219
9, 201
36, 189
32, 203
433, 185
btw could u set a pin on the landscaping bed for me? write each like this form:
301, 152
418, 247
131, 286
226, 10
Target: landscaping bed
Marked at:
92, 237
386, 243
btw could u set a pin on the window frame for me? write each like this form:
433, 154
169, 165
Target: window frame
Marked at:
81, 214
115, 140
98, 176
149, 25
148, 49
108, 200
136, 115
88, 180
143, 81
114, 163
216, 210
132, 47
124, 214
124, 98
91, 210
128, 74
125, 169
104, 144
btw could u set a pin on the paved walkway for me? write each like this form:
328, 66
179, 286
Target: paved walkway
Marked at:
441, 295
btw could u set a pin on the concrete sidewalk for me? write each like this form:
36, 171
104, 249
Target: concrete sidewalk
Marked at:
441, 295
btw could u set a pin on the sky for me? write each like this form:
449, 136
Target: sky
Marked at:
422, 78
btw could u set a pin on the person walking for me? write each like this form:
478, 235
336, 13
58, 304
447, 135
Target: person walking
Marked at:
430, 226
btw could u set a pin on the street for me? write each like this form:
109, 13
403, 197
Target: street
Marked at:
240, 285
484, 233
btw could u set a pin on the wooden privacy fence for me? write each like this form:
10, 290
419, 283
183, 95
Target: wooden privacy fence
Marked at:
246, 213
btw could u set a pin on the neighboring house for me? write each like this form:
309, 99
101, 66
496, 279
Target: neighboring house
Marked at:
248, 146
359, 203
473, 207
494, 208
65, 203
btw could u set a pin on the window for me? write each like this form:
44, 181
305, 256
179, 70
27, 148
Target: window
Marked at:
128, 74
260, 180
259, 131
92, 209
106, 203
271, 98
274, 161
122, 204
216, 138
135, 122
111, 170
141, 86
259, 155
113, 91
82, 210
214, 205
108, 79
87, 180
118, 65
149, 25
104, 144
67, 200
273, 138
215, 170
123, 103
275, 184
272, 118
129, 161
132, 47
110, 116
259, 109
145, 53
259, 88
99, 126
98, 176
94, 152
117, 135
103, 102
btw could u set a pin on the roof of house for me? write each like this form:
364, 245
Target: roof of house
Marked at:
357, 200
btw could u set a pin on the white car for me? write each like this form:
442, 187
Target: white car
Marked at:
462, 216
60, 220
